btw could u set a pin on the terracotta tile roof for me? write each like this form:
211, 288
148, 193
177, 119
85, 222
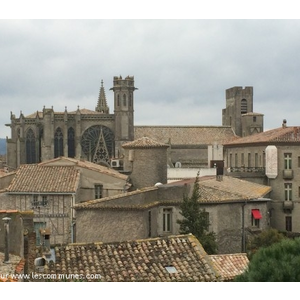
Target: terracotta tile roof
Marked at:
279, 135
107, 202
144, 142
140, 260
45, 179
186, 135
9, 271
230, 189
230, 265
84, 164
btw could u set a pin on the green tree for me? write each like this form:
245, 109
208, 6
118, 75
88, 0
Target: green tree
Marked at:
264, 239
279, 262
195, 220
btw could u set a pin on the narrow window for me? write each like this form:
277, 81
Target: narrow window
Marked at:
288, 191
30, 147
167, 218
288, 223
58, 143
71, 142
98, 191
118, 100
124, 100
287, 161
44, 201
244, 106
255, 217
130, 100
256, 160
254, 119
249, 160
230, 160
35, 201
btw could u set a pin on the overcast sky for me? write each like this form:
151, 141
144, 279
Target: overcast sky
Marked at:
181, 67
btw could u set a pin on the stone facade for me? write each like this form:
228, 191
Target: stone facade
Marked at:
247, 158
239, 112
96, 136
51, 189
154, 211
146, 160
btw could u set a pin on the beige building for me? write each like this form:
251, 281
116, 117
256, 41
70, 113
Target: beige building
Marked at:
236, 209
52, 188
272, 158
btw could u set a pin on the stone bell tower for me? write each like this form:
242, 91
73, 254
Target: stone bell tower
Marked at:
124, 111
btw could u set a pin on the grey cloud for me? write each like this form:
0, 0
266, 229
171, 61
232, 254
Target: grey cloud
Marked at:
182, 66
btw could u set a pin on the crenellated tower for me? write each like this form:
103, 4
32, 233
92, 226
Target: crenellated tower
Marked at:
124, 111
239, 112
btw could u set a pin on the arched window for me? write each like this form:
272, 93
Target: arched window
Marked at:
118, 100
30, 147
244, 106
71, 142
124, 100
130, 101
58, 143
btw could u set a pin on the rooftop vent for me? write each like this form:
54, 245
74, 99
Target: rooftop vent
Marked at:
284, 123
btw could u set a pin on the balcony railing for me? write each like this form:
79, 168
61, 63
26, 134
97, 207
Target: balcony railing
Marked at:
288, 204
260, 170
288, 174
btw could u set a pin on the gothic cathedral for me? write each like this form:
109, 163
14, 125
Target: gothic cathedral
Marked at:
96, 136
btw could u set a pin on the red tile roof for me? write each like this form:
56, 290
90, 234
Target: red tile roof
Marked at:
229, 189
277, 135
140, 260
144, 142
230, 265
45, 179
64, 161
186, 135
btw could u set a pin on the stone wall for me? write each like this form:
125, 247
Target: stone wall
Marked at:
110, 225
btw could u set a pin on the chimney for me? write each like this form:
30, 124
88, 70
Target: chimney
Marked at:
6, 239
284, 123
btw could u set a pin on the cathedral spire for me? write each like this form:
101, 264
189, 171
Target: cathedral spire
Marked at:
102, 103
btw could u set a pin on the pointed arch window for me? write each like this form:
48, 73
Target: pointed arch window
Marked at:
30, 147
124, 100
58, 143
244, 106
130, 100
71, 142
